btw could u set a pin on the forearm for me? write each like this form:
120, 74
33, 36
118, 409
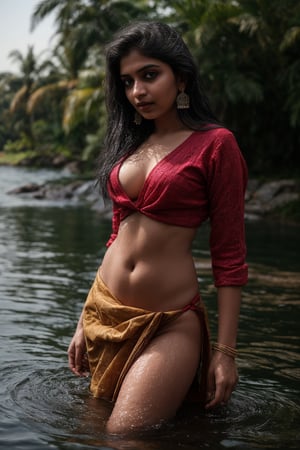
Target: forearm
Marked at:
77, 350
80, 320
229, 301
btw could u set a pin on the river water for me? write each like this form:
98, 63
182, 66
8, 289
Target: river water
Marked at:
49, 253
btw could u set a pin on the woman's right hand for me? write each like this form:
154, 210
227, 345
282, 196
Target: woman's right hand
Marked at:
77, 356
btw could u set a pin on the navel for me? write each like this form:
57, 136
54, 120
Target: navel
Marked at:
130, 265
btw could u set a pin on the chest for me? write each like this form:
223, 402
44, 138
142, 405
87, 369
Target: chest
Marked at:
135, 170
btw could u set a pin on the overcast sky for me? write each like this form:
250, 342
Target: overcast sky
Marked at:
15, 31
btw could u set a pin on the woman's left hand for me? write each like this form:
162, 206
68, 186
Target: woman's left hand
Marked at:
222, 379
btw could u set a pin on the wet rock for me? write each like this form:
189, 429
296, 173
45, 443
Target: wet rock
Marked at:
27, 188
269, 190
261, 197
57, 192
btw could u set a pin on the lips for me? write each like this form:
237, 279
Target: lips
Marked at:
143, 106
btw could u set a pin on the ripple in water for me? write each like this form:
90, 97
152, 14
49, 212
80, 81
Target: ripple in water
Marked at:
51, 396
57, 403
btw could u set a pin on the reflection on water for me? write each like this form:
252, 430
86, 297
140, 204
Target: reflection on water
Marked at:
48, 259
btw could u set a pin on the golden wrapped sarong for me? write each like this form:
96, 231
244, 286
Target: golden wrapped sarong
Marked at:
117, 334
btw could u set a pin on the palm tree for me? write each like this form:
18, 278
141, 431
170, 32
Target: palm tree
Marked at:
248, 52
272, 33
9, 83
28, 73
96, 23
29, 69
83, 28
86, 23
66, 11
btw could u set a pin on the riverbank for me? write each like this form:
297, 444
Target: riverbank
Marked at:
265, 199
277, 199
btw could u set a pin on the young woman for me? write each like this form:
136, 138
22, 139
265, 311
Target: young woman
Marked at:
168, 166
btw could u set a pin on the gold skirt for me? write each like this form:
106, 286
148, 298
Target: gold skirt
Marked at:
117, 334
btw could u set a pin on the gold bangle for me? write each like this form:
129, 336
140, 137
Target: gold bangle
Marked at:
229, 351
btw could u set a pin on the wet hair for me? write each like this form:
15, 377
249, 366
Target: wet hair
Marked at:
154, 40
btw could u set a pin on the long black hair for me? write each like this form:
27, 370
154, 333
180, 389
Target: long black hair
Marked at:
159, 41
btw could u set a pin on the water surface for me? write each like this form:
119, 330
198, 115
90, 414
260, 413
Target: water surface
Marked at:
49, 254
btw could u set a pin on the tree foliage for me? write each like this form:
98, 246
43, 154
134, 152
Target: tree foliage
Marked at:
248, 52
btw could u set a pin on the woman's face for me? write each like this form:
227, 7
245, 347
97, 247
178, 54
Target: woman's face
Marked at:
150, 85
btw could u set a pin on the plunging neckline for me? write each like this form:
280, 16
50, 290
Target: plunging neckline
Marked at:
163, 159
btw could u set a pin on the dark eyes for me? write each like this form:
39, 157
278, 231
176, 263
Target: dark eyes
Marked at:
127, 82
148, 76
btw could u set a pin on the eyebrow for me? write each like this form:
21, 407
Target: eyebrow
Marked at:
147, 66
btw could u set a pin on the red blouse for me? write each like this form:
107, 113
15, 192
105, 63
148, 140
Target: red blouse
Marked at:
203, 178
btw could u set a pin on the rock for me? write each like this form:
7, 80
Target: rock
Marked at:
74, 167
268, 190
261, 198
252, 186
86, 188
59, 192
59, 161
27, 188
270, 195
283, 198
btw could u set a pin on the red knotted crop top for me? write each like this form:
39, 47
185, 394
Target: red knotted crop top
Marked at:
202, 178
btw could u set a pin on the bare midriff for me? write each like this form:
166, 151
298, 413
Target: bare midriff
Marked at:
150, 265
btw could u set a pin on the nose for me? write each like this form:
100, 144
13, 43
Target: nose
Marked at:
138, 89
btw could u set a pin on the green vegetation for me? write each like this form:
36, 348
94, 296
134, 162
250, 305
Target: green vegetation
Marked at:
248, 52
13, 159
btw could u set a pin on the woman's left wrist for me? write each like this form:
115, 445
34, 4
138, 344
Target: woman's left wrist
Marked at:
224, 349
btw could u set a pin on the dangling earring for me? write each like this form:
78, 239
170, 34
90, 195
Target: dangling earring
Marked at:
183, 100
137, 118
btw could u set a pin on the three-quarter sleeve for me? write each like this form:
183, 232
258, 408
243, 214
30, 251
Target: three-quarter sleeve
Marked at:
227, 179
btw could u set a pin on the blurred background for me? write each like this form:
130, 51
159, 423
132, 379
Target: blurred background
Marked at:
51, 74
